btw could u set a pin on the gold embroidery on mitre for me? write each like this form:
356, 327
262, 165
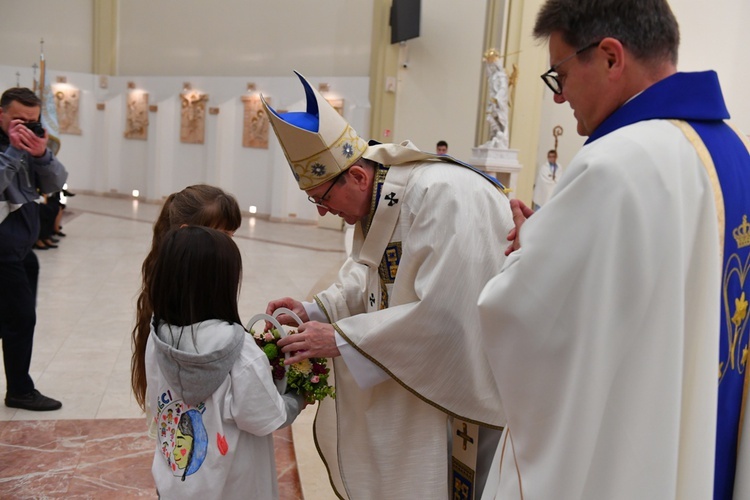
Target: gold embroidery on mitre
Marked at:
742, 233
329, 162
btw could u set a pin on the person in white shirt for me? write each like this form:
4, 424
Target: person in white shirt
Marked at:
547, 176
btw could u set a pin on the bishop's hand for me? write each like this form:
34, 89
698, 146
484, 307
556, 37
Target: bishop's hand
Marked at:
312, 340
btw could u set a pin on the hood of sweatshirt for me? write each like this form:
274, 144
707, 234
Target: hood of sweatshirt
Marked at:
196, 359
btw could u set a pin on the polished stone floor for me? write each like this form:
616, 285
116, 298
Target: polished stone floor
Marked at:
95, 446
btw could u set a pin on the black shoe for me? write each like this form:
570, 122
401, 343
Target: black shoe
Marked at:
40, 245
61, 234
33, 401
68, 193
49, 243
53, 240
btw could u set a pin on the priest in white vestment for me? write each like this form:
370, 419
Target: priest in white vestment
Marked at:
608, 335
402, 314
547, 176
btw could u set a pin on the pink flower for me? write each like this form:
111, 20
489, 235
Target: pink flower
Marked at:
315, 379
268, 337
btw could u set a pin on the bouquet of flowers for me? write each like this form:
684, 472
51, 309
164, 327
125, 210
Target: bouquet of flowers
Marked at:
308, 378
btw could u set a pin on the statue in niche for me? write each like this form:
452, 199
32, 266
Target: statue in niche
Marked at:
193, 117
254, 123
67, 101
136, 119
497, 105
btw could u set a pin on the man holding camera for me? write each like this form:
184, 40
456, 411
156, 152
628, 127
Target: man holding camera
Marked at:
27, 168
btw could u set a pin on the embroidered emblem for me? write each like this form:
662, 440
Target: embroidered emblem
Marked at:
348, 150
742, 233
372, 299
318, 169
389, 264
733, 353
392, 200
464, 434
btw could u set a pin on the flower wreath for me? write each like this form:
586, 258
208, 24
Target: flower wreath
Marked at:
308, 377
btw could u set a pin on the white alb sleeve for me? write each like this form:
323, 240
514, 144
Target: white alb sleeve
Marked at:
365, 372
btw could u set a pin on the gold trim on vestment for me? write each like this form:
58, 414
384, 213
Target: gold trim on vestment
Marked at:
320, 452
708, 163
403, 384
746, 141
508, 434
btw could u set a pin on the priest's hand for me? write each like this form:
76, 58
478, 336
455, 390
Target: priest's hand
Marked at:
293, 305
312, 340
520, 213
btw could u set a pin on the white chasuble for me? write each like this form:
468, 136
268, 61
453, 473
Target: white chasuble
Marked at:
406, 300
604, 344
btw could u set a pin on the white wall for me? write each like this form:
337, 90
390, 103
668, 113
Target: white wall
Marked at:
102, 160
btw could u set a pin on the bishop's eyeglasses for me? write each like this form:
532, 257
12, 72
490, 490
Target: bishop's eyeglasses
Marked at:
552, 79
321, 201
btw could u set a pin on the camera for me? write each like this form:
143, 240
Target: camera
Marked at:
35, 127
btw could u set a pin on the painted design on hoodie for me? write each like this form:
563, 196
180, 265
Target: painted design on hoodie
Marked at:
182, 436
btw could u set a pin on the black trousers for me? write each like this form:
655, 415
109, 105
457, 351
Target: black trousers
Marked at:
18, 285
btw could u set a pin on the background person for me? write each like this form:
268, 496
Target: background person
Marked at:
609, 349
26, 164
547, 176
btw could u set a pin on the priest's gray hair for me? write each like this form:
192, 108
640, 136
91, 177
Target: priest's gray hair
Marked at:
647, 28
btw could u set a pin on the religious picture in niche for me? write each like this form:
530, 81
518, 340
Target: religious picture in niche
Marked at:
254, 123
337, 104
67, 101
193, 117
136, 119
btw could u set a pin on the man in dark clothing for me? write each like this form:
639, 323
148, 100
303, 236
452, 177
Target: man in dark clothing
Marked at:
25, 166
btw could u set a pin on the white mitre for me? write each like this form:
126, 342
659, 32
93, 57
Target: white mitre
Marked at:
318, 143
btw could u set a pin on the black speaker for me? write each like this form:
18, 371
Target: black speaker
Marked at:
405, 15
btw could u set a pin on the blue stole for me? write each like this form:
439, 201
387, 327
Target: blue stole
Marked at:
696, 99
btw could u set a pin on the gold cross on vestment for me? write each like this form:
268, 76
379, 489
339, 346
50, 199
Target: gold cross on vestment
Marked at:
463, 434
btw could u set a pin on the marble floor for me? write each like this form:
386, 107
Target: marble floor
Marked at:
95, 446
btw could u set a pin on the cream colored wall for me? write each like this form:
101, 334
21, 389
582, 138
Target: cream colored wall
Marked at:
438, 90
244, 37
65, 27
195, 37
715, 36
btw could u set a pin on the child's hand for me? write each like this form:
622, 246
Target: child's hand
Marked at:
293, 305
